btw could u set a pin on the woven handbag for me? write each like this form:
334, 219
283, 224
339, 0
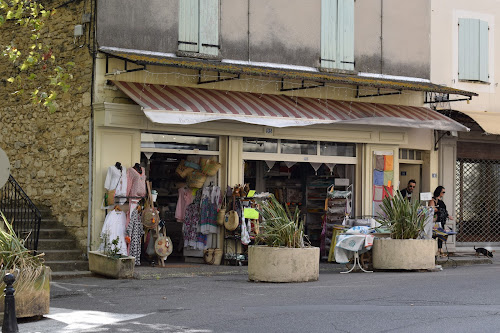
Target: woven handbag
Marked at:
150, 215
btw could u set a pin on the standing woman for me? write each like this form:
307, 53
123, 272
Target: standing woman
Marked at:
440, 212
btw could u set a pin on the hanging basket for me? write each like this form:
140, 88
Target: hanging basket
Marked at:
183, 170
196, 179
211, 167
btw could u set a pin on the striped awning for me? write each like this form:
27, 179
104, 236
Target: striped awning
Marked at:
184, 105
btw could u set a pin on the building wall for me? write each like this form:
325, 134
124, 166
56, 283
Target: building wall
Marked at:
444, 51
281, 31
49, 151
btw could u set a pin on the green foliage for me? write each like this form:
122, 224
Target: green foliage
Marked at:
405, 219
15, 258
110, 248
33, 55
280, 227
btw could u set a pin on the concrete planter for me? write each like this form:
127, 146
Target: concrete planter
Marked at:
31, 302
282, 264
404, 253
121, 268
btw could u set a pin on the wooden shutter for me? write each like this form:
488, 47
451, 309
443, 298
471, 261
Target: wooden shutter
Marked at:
468, 49
483, 51
188, 25
329, 34
345, 37
209, 27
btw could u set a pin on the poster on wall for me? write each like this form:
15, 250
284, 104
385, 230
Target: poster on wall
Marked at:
383, 178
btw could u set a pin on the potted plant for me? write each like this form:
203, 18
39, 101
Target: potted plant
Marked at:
32, 284
109, 262
280, 253
405, 249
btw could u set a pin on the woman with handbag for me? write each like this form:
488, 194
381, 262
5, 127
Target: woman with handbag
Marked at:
440, 212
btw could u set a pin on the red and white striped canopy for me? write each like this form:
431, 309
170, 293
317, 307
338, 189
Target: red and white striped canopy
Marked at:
183, 105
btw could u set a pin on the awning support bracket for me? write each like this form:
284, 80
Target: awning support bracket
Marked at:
377, 94
218, 78
439, 139
303, 86
444, 98
125, 65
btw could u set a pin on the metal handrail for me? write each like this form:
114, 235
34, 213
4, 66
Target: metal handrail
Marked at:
21, 212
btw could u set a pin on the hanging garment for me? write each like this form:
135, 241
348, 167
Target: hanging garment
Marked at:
136, 188
184, 200
114, 227
135, 231
209, 203
116, 179
191, 228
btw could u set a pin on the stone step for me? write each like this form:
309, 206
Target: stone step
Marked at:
56, 244
55, 255
70, 275
50, 224
52, 233
68, 265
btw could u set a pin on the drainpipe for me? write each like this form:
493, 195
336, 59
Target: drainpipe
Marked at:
248, 29
91, 126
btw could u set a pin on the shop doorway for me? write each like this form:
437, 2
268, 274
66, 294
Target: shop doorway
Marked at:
301, 185
408, 172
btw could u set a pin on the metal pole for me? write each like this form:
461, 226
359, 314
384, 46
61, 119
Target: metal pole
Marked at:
9, 315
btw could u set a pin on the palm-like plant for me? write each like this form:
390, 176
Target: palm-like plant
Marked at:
280, 227
405, 219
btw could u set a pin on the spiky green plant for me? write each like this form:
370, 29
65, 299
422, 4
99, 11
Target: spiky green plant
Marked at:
280, 227
405, 219
15, 258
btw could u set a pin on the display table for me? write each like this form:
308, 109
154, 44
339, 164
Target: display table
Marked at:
350, 246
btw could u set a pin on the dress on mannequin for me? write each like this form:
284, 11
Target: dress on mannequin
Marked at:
136, 188
114, 227
116, 179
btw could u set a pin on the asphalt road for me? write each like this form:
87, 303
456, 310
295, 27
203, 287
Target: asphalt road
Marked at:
462, 299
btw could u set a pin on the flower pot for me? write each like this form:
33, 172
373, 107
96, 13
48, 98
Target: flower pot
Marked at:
119, 268
408, 254
31, 302
283, 264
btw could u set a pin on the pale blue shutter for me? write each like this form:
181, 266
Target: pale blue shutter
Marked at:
345, 37
188, 25
209, 27
329, 34
483, 51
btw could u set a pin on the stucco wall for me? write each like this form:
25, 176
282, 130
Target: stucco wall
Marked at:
392, 37
49, 151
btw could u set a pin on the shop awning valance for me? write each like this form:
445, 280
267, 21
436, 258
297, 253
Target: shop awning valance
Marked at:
184, 106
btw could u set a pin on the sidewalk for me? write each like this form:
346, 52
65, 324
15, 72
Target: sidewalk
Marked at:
180, 270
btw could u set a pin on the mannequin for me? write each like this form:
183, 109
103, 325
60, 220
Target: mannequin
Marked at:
118, 165
116, 179
138, 168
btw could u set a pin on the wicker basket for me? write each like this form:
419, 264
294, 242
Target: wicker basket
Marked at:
196, 179
212, 256
183, 170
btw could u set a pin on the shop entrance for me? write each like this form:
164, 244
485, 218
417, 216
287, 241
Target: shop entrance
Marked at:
301, 185
408, 172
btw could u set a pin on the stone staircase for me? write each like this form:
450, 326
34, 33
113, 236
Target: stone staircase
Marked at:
61, 252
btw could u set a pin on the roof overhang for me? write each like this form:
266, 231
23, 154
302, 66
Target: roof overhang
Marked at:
488, 121
170, 60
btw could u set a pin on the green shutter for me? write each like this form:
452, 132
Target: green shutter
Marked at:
345, 39
483, 51
329, 34
188, 25
209, 27
468, 49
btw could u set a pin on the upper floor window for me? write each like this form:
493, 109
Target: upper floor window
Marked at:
473, 50
199, 26
337, 34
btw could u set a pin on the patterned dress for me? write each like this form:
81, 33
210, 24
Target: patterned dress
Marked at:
135, 231
193, 239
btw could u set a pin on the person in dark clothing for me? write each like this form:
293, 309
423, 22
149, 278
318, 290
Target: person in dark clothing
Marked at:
440, 213
408, 191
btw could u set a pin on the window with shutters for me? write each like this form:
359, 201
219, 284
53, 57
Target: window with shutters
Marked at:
337, 34
473, 50
199, 26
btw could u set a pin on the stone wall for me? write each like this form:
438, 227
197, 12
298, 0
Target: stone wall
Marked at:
49, 152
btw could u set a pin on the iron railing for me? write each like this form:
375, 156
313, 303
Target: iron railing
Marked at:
477, 201
21, 212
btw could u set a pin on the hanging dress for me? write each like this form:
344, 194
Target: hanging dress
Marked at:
114, 227
136, 188
135, 231
184, 200
116, 179
193, 239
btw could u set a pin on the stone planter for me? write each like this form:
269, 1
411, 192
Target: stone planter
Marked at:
282, 264
120, 268
405, 254
31, 302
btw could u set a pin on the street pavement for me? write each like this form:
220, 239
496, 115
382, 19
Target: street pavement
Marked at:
193, 298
